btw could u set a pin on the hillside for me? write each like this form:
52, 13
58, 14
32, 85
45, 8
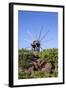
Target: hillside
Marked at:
38, 64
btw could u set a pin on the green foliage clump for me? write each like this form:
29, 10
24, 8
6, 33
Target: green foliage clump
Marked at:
49, 54
23, 75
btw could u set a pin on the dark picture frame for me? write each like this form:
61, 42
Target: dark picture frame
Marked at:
11, 44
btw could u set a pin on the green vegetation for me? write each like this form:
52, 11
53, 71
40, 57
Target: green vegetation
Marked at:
31, 69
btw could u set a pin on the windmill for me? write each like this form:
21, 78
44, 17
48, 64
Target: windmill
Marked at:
36, 43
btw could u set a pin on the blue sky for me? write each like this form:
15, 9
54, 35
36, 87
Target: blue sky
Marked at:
30, 23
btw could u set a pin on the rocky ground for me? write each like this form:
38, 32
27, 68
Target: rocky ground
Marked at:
38, 65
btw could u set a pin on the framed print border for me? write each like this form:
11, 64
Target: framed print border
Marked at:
11, 42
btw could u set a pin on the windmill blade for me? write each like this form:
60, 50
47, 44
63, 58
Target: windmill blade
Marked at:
41, 48
30, 34
40, 33
44, 36
47, 41
27, 47
27, 41
44, 41
36, 36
